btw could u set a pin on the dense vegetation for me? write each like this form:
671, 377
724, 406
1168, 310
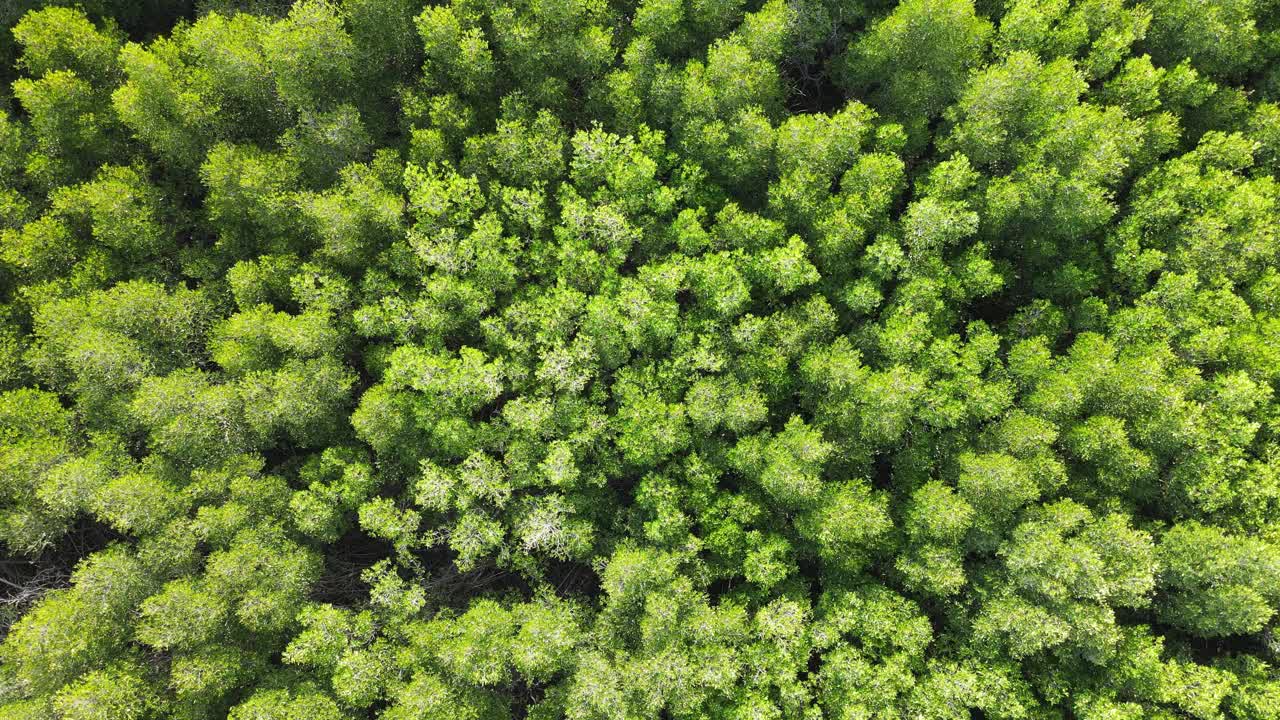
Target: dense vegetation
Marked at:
617, 360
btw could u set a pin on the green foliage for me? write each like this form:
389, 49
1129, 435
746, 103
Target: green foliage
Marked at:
59, 38
918, 57
311, 56
1217, 584
653, 360
1220, 38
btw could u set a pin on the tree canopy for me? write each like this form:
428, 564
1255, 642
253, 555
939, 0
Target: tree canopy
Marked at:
640, 360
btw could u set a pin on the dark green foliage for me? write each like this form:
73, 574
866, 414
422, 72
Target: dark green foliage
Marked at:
651, 360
